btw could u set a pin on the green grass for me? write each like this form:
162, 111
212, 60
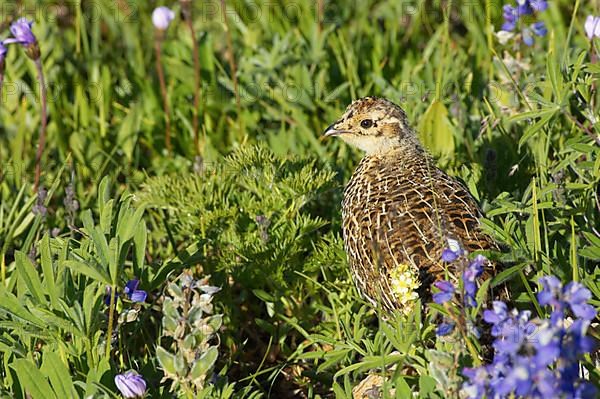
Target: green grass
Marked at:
257, 207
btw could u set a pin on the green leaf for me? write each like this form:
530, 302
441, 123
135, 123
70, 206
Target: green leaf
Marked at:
426, 386
32, 380
58, 373
49, 277
436, 131
204, 363
13, 306
98, 238
90, 271
106, 217
140, 239
536, 127
103, 195
30, 276
113, 260
166, 360
128, 223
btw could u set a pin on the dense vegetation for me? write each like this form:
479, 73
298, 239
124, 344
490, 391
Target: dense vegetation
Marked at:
131, 228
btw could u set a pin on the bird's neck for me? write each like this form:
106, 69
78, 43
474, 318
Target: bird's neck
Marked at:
400, 156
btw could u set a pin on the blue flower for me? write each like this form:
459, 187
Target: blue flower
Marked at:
539, 5
592, 27
444, 329
513, 14
446, 294
496, 317
577, 296
3, 51
524, 7
162, 17
133, 293
131, 384
449, 255
573, 296
130, 291
511, 17
21, 30
539, 28
537, 358
470, 275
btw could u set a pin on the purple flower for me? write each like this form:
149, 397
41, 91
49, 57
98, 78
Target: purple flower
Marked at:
162, 17
511, 16
444, 329
592, 27
21, 30
524, 7
577, 296
573, 296
449, 255
131, 384
3, 51
539, 28
470, 275
497, 316
537, 358
133, 293
446, 294
539, 5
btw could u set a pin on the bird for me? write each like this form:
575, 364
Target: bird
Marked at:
399, 210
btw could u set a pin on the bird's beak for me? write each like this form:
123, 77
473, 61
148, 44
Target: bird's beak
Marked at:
332, 131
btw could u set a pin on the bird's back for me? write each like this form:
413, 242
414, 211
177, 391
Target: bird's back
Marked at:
399, 211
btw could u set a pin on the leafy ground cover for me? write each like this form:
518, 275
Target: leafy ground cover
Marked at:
197, 252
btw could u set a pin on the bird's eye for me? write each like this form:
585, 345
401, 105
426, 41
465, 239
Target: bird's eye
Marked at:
366, 123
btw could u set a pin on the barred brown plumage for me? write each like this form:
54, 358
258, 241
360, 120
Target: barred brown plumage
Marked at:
399, 210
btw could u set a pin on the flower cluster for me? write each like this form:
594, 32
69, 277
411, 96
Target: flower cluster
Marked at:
471, 271
522, 15
537, 358
404, 281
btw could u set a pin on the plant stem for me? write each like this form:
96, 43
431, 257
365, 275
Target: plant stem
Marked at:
232, 65
163, 89
320, 11
44, 116
186, 6
1, 79
111, 308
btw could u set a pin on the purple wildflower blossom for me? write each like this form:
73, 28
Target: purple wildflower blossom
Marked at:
444, 329
592, 27
513, 14
3, 51
21, 30
446, 294
133, 293
537, 358
131, 384
162, 17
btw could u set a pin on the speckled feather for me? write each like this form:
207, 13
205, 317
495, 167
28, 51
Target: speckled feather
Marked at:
399, 208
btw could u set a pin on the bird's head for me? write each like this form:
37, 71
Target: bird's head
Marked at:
375, 125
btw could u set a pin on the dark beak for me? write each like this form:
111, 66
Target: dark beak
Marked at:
332, 131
